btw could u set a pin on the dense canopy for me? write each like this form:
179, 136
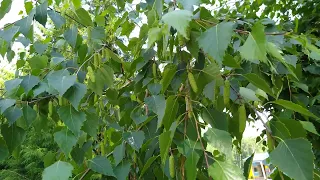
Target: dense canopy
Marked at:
123, 89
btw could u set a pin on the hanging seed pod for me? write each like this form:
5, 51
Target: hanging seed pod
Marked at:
226, 93
171, 166
154, 70
192, 82
50, 108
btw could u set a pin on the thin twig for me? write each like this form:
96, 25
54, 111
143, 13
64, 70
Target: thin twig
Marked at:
84, 174
199, 137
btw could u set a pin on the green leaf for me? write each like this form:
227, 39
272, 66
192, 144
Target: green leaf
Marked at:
295, 107
279, 129
28, 82
215, 118
75, 94
5, 104
168, 74
259, 83
154, 35
84, 17
225, 171
118, 153
247, 166
165, 140
5, 7
135, 139
294, 157
29, 115
178, 19
309, 127
91, 125
188, 5
147, 165
25, 24
59, 170
12, 114
65, 140
12, 84
191, 165
61, 80
276, 52
41, 13
78, 154
122, 171
154, 88
229, 61
215, 40
292, 125
98, 33
76, 3
4, 152
40, 47
57, 19
212, 72
13, 135
171, 110
72, 118
248, 94
104, 77
38, 62
71, 36
221, 140
9, 33
137, 115
157, 104
255, 46
101, 164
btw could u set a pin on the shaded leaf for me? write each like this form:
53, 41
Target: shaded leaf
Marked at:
122, 171
135, 139
295, 107
168, 74
13, 135
65, 140
72, 118
221, 140
4, 152
101, 164
71, 36
61, 80
191, 165
259, 83
157, 104
91, 124
28, 82
75, 94
171, 110
41, 13
119, 153
12, 114
6, 103
147, 165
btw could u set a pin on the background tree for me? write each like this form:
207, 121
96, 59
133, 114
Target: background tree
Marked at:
117, 104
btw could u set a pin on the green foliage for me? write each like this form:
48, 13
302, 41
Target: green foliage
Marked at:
94, 99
